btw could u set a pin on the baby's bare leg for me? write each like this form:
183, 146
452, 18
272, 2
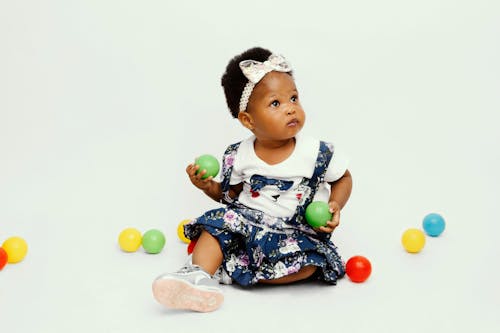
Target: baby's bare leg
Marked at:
303, 274
207, 253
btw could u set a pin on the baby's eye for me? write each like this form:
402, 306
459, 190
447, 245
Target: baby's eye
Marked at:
275, 103
294, 98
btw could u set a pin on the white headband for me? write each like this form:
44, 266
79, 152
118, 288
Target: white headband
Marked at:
254, 71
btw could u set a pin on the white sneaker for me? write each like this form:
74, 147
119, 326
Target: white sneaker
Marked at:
189, 288
222, 276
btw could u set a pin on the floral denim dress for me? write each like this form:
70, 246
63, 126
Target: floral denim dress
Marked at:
257, 246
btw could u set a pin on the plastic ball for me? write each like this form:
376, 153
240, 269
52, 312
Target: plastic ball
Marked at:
358, 269
153, 241
130, 240
413, 240
16, 249
318, 214
180, 231
191, 246
208, 163
4, 257
433, 224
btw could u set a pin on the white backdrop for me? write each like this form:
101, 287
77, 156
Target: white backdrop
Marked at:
104, 103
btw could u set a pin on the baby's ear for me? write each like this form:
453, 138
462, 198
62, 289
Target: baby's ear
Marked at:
246, 119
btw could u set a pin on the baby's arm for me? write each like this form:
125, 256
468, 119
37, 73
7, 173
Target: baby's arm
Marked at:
341, 189
209, 186
339, 194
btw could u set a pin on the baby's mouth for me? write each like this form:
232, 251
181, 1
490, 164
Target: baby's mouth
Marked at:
292, 123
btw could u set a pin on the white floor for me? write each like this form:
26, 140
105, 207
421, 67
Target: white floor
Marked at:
102, 105
77, 280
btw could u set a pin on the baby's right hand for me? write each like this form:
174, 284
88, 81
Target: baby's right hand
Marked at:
196, 179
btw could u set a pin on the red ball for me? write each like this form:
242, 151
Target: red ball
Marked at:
358, 269
3, 258
191, 246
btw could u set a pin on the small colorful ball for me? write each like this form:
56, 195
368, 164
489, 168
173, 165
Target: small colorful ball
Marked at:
433, 224
318, 214
358, 269
191, 246
180, 231
208, 163
16, 249
153, 241
130, 240
413, 240
4, 257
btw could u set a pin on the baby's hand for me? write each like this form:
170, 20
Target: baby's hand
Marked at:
331, 225
202, 184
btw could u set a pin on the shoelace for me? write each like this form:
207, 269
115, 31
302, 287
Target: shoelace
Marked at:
189, 269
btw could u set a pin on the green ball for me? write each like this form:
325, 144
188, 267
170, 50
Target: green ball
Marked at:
153, 241
209, 163
318, 213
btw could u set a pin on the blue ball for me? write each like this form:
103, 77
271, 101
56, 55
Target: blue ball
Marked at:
433, 224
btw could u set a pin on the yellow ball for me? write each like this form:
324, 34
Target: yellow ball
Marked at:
130, 240
413, 240
16, 249
180, 231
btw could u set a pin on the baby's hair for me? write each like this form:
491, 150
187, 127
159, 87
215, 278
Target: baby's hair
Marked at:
233, 81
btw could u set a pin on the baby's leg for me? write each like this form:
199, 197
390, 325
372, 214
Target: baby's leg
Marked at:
193, 286
303, 274
207, 253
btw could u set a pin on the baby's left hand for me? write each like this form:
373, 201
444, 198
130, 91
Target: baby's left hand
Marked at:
331, 225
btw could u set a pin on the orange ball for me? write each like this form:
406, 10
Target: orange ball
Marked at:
4, 257
191, 246
358, 269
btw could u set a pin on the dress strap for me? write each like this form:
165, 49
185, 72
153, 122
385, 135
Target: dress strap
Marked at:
227, 169
325, 155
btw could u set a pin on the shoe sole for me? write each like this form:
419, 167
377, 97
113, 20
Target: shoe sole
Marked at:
179, 294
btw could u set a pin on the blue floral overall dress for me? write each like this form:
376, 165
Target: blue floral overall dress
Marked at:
257, 246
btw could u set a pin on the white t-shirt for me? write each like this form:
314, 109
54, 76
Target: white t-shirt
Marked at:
281, 200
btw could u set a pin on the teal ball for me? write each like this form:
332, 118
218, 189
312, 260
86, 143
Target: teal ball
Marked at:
433, 224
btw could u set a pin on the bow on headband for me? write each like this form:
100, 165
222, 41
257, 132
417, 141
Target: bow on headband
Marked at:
254, 71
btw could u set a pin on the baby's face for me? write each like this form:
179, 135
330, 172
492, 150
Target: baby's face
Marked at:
275, 107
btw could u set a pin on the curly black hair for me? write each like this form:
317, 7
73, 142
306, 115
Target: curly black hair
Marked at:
233, 81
